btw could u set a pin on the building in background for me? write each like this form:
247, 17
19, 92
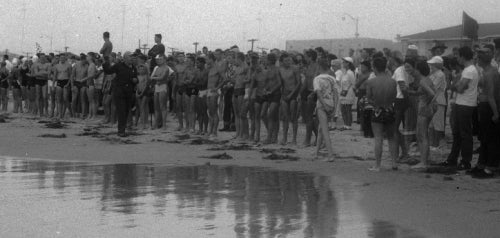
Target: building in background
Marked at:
450, 37
340, 47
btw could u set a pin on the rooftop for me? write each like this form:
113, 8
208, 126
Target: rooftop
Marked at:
455, 32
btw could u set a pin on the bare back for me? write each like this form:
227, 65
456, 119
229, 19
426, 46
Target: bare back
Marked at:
381, 91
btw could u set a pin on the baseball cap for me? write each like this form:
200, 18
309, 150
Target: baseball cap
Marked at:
435, 60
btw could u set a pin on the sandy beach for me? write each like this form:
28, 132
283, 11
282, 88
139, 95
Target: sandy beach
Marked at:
438, 204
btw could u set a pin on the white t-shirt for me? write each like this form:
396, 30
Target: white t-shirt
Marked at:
323, 83
469, 96
400, 76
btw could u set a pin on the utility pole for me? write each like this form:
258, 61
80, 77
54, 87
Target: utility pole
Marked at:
253, 41
196, 47
144, 47
262, 49
172, 49
356, 21
148, 16
123, 21
27, 54
66, 49
23, 9
323, 29
259, 19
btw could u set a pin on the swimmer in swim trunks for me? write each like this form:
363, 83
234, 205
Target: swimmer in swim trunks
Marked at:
291, 87
272, 91
201, 100
214, 83
62, 75
258, 84
180, 88
240, 110
41, 71
79, 89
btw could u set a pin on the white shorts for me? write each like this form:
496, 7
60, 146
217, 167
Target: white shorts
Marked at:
212, 93
203, 93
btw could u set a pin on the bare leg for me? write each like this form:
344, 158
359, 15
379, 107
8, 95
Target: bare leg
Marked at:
163, 109
83, 102
45, 101
144, 101
18, 106
192, 113
92, 104
423, 140
323, 132
257, 113
251, 112
243, 106
52, 95
286, 120
273, 117
236, 109
294, 118
378, 132
180, 108
204, 114
59, 102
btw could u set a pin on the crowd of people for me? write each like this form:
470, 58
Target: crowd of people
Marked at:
405, 98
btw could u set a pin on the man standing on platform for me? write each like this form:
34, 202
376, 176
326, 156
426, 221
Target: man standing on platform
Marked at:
158, 49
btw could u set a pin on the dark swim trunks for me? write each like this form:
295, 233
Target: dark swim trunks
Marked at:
62, 83
260, 99
239, 92
274, 97
41, 82
181, 90
294, 96
79, 85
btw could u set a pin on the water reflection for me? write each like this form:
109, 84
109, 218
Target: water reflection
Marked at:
77, 199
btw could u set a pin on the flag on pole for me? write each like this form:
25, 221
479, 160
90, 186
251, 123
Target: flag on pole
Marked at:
470, 27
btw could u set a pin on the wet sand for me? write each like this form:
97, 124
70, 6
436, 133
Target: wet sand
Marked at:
436, 205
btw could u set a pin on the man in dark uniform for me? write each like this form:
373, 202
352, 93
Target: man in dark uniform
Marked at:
123, 88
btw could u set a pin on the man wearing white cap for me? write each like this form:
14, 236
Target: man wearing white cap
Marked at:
412, 51
439, 80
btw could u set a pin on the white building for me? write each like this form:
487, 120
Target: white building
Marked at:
340, 47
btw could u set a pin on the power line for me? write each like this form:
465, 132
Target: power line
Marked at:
124, 6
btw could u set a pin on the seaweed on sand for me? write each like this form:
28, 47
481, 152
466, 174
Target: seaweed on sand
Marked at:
222, 156
281, 157
53, 135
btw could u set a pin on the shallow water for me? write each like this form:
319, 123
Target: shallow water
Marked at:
41, 198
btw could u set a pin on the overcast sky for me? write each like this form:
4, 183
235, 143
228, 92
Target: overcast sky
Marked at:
219, 23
